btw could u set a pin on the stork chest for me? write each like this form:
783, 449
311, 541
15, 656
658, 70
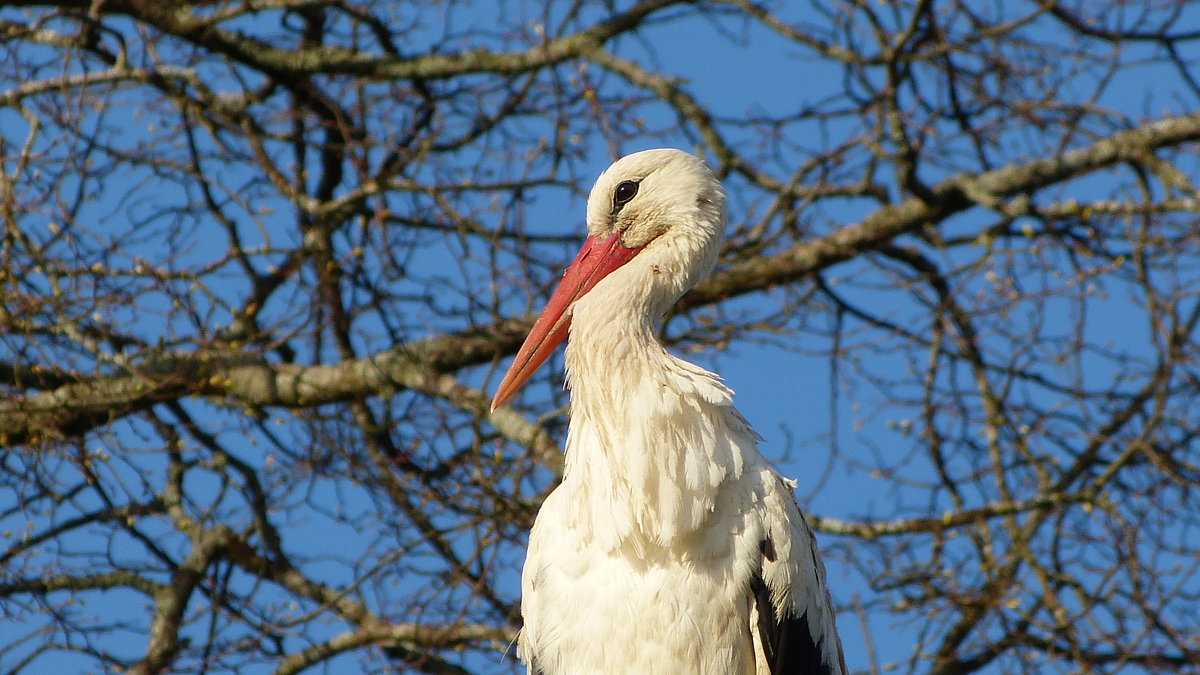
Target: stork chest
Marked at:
635, 609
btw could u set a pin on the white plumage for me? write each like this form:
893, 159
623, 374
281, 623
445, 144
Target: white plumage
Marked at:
671, 545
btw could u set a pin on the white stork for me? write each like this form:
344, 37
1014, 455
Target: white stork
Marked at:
671, 545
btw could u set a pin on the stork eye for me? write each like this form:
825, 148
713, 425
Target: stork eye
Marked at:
625, 191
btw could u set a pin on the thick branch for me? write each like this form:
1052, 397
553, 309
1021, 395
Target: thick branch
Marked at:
301, 62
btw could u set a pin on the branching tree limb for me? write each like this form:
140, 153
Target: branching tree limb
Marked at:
260, 260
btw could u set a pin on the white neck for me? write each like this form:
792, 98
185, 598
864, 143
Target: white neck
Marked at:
652, 438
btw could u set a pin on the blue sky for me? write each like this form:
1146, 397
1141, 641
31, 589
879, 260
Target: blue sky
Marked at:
785, 385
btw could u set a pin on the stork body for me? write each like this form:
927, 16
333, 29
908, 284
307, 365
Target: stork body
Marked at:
671, 545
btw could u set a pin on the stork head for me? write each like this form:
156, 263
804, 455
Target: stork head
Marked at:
661, 206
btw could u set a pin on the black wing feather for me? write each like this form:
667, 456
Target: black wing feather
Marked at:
789, 643
787, 640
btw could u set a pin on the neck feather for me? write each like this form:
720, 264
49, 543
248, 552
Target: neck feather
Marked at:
652, 438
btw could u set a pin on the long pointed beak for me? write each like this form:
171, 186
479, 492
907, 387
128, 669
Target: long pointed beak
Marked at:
596, 260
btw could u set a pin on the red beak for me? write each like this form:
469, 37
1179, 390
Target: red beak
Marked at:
596, 260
